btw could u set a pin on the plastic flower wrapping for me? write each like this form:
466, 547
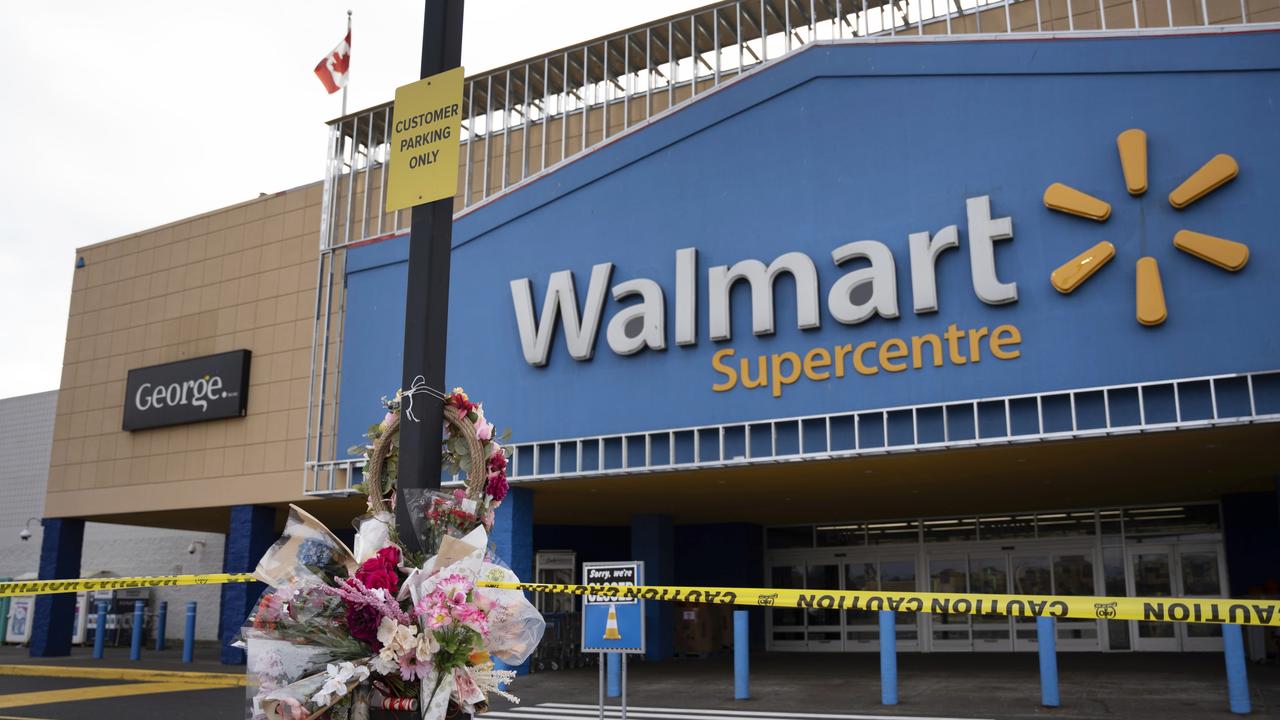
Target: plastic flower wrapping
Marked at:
339, 632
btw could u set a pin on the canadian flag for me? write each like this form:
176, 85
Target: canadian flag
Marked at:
332, 70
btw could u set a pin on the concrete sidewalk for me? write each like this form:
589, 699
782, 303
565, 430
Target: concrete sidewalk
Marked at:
1170, 687
205, 659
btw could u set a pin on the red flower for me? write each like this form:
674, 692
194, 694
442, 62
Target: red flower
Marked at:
380, 571
498, 462
362, 623
460, 401
497, 486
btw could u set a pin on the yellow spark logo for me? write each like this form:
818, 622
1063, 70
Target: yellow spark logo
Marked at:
1132, 144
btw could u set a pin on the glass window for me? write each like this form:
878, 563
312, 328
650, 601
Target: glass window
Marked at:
1072, 575
1171, 520
900, 576
1065, 524
1200, 573
841, 535
893, 532
795, 536
1007, 526
1031, 575
953, 530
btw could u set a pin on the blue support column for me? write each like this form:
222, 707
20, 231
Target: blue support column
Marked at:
60, 550
1047, 640
139, 619
100, 632
1237, 676
888, 657
653, 541
613, 661
162, 618
741, 656
513, 542
249, 534
189, 637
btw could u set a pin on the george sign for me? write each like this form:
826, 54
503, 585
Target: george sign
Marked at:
425, 133
612, 623
187, 391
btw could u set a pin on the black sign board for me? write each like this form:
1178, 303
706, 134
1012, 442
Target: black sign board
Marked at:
610, 574
187, 391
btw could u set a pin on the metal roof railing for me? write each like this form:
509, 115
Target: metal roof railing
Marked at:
1179, 404
524, 118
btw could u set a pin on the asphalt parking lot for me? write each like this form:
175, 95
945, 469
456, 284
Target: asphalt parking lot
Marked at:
790, 686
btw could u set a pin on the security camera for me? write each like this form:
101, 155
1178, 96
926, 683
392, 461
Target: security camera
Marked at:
195, 544
25, 534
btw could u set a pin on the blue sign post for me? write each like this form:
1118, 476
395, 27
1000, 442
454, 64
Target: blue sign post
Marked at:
613, 626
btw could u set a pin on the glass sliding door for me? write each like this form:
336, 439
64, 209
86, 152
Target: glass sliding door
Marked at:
1199, 574
948, 631
862, 627
1152, 567
1031, 576
900, 575
1073, 574
823, 627
989, 575
786, 625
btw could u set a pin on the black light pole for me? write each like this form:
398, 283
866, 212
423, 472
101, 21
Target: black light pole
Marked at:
426, 316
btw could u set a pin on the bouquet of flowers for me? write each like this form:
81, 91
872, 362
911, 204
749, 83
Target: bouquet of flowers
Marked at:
339, 631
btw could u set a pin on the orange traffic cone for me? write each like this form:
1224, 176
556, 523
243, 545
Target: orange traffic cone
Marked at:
611, 626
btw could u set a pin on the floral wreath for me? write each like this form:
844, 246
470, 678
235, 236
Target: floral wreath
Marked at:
469, 449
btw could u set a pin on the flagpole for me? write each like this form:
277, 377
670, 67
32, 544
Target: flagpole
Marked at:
348, 82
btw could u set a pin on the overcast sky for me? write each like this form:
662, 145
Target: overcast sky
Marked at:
122, 116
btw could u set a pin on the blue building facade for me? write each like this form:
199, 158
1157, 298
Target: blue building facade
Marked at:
811, 330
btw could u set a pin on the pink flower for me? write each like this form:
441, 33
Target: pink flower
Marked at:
484, 430
473, 617
411, 669
438, 617
387, 420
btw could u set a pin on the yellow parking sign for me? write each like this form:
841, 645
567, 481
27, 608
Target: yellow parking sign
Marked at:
425, 133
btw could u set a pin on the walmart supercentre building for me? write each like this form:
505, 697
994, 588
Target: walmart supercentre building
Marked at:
770, 293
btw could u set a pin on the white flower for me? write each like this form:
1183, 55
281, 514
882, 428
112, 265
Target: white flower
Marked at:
384, 665
427, 647
337, 678
396, 639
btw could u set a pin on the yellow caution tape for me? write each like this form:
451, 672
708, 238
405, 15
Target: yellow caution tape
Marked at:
51, 587
1155, 609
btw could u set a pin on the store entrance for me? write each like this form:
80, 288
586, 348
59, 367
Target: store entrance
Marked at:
1102, 553
1062, 570
1180, 570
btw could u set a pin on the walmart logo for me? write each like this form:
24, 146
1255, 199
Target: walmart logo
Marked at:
1132, 144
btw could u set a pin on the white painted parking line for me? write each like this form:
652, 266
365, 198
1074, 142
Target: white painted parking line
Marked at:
574, 711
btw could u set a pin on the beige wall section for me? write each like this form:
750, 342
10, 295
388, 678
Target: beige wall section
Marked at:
238, 278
